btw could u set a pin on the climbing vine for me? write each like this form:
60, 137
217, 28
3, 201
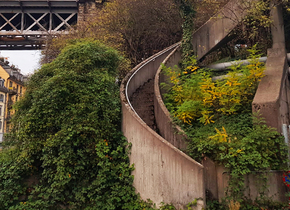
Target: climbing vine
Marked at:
187, 13
66, 149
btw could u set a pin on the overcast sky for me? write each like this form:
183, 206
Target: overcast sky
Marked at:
26, 60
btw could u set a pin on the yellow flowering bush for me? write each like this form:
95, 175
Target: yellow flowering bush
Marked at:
216, 117
194, 95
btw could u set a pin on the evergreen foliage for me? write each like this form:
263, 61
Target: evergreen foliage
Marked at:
66, 149
187, 13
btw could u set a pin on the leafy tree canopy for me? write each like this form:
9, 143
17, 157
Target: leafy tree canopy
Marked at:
138, 29
66, 150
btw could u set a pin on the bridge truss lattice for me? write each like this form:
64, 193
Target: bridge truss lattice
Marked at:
25, 24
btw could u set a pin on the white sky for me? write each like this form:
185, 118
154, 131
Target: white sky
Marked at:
26, 60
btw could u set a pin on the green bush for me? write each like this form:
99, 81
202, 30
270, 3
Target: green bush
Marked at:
216, 116
195, 95
66, 149
241, 143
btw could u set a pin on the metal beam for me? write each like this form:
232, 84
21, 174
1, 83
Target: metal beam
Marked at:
21, 47
31, 33
39, 10
9, 22
25, 24
63, 21
36, 22
22, 42
37, 4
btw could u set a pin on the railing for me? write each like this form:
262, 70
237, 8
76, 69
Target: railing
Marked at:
12, 90
26, 24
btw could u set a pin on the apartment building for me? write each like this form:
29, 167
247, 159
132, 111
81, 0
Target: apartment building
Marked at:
13, 83
3, 96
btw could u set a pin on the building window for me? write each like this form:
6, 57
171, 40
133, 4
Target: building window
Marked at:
2, 82
20, 89
10, 83
1, 125
17, 88
1, 98
1, 106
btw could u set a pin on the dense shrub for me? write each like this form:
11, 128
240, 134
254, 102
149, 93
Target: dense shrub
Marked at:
66, 149
216, 116
195, 95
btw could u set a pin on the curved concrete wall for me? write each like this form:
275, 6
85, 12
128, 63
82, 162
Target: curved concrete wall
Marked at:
216, 178
162, 172
213, 181
167, 128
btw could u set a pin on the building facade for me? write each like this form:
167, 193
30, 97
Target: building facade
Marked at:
13, 83
3, 97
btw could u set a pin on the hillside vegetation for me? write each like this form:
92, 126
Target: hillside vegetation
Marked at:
217, 118
66, 149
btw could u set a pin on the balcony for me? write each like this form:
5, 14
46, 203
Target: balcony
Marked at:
12, 90
8, 118
9, 104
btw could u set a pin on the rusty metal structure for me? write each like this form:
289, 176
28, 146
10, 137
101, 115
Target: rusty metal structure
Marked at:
26, 24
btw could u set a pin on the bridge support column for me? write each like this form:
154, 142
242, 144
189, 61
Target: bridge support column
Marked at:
88, 9
272, 97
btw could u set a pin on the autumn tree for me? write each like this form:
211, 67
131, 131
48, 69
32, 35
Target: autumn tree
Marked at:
137, 28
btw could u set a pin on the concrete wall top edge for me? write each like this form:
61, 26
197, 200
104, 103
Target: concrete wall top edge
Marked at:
127, 104
230, 6
136, 68
214, 33
157, 90
269, 89
162, 105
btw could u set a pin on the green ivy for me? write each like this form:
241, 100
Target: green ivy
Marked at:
66, 149
187, 13
247, 145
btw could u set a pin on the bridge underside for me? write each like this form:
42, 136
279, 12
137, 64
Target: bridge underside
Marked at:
26, 24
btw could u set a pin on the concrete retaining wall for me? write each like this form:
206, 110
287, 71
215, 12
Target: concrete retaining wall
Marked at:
216, 176
216, 182
214, 33
167, 128
272, 98
162, 172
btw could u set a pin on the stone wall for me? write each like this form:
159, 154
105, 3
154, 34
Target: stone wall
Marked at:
87, 9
